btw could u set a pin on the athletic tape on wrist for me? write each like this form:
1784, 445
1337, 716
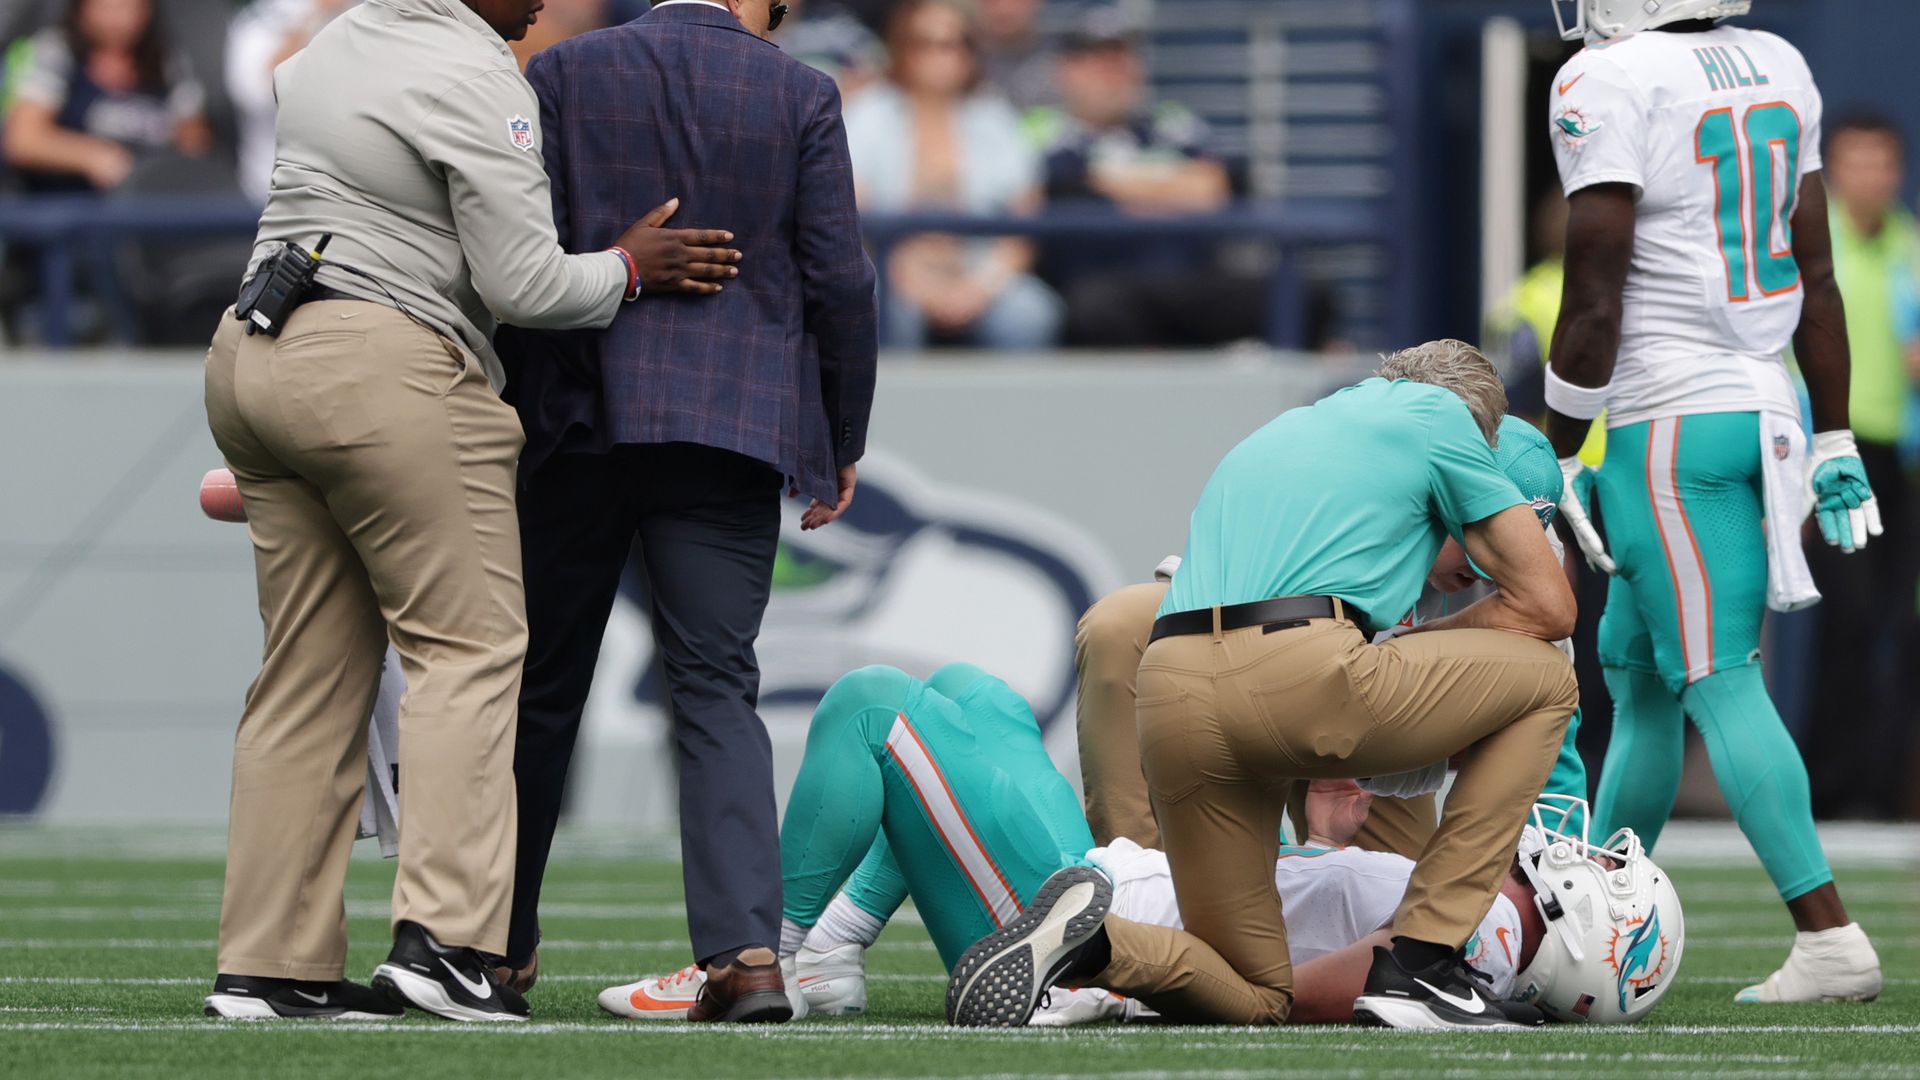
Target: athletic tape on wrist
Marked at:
1579, 402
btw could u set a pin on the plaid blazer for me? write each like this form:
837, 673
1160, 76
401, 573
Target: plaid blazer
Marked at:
684, 102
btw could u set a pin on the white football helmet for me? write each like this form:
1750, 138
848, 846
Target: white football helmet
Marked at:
1614, 930
1599, 20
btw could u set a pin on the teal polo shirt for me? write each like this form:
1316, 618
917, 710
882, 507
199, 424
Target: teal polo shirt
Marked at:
1351, 496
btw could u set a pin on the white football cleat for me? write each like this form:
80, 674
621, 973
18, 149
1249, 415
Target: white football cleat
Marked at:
1825, 965
656, 997
834, 982
1062, 1007
790, 982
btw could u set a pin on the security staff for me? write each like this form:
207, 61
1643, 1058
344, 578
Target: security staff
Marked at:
377, 464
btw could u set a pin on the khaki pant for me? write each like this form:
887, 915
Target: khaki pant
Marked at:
377, 469
1107, 648
1229, 720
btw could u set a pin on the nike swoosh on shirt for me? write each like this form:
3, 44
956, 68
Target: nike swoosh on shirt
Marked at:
1502, 932
1568, 85
479, 988
1468, 1004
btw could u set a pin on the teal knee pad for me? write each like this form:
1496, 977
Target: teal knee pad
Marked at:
1761, 774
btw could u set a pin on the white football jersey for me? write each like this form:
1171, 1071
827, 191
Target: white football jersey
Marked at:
1715, 131
1332, 898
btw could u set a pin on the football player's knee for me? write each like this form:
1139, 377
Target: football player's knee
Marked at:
1112, 631
875, 686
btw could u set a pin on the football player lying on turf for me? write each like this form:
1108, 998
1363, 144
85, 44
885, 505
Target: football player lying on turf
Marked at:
951, 774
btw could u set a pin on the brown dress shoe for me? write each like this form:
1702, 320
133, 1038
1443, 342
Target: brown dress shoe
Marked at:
744, 993
523, 979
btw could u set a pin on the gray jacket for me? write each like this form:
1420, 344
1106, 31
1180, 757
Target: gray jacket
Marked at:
407, 131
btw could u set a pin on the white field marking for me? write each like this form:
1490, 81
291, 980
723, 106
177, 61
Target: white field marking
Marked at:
1710, 893
1189, 1037
52, 1009
206, 980
1746, 980
1749, 919
558, 945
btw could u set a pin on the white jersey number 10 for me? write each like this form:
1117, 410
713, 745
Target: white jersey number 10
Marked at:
1754, 194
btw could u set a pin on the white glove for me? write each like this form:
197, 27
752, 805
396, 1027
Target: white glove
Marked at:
1406, 785
1843, 503
1168, 567
1574, 509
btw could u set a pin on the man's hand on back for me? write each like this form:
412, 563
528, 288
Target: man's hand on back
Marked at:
678, 260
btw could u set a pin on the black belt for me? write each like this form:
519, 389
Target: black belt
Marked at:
1281, 613
320, 294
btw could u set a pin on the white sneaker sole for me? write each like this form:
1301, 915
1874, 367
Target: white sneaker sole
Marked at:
999, 979
835, 995
428, 995
237, 1007
1406, 1014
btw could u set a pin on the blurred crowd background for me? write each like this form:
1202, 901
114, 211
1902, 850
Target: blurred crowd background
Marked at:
1283, 178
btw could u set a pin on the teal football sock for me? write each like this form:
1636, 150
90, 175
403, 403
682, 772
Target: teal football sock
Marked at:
1761, 775
1641, 774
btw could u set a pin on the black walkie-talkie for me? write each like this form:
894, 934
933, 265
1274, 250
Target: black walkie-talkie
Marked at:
279, 287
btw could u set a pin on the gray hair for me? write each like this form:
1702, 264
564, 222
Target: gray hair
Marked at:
1459, 367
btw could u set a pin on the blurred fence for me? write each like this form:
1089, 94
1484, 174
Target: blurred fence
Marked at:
66, 234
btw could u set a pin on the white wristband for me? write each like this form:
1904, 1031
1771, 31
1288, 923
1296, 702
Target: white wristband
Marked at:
1828, 445
1579, 402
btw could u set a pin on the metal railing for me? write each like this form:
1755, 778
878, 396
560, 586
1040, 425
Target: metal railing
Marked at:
61, 230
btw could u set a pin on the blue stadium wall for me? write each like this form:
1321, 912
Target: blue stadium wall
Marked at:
1861, 51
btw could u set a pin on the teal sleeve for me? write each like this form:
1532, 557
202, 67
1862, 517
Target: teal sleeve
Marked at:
1465, 483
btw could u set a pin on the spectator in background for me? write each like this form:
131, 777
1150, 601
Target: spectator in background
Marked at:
828, 38
1016, 58
927, 139
98, 92
1858, 744
263, 36
1523, 323
1109, 144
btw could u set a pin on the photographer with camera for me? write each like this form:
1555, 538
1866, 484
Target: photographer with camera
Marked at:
354, 394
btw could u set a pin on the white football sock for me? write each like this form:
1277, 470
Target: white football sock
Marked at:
842, 922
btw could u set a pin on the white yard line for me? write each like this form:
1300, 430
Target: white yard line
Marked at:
1192, 1038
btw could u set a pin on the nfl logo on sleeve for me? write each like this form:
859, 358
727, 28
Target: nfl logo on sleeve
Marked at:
521, 130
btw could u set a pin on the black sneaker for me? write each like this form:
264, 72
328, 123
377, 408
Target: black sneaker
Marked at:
1438, 998
999, 979
248, 997
455, 983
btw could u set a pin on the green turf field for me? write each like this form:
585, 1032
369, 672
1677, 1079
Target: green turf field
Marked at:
106, 944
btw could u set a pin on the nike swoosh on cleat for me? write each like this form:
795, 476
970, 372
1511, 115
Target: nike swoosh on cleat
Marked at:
645, 1002
321, 1000
1468, 1004
1568, 85
478, 988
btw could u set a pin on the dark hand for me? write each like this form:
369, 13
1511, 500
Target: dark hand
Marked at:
678, 260
819, 514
